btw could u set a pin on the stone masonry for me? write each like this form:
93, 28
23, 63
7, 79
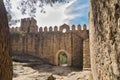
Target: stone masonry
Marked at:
86, 56
105, 39
48, 43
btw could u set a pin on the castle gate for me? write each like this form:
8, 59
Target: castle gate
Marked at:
63, 57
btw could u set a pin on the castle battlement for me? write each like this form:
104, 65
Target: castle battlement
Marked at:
29, 25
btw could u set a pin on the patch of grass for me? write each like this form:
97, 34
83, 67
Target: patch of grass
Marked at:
63, 59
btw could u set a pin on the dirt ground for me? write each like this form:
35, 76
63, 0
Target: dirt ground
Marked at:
39, 70
25, 71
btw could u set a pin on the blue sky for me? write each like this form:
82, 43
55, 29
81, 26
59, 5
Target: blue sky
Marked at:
74, 12
84, 7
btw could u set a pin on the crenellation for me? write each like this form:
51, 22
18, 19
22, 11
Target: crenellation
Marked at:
29, 25
40, 30
84, 27
45, 29
73, 28
64, 27
79, 27
33, 22
23, 26
28, 20
55, 29
50, 29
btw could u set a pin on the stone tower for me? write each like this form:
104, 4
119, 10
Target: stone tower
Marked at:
29, 25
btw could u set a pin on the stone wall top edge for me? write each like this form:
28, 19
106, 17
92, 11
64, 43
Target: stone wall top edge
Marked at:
62, 28
65, 27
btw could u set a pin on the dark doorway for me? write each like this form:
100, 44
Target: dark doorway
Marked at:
63, 59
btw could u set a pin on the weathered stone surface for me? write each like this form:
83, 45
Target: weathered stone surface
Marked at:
29, 25
86, 54
105, 39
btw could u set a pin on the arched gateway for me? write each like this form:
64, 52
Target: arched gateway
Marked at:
62, 57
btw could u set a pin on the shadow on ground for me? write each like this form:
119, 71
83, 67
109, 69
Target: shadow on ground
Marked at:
42, 66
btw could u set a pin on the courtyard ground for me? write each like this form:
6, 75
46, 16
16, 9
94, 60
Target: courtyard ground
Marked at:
39, 70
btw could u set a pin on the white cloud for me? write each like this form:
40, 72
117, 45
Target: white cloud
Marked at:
56, 15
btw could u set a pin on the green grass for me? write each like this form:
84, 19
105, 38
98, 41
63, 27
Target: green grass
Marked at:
63, 59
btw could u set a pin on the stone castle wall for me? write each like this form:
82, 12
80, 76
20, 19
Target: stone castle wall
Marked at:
86, 55
48, 43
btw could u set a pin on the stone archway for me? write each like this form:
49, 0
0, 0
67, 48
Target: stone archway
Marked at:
57, 57
64, 27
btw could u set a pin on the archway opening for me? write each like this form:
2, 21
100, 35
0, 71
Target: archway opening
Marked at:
64, 31
62, 59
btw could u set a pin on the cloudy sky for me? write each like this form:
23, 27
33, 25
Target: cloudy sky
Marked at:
74, 12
